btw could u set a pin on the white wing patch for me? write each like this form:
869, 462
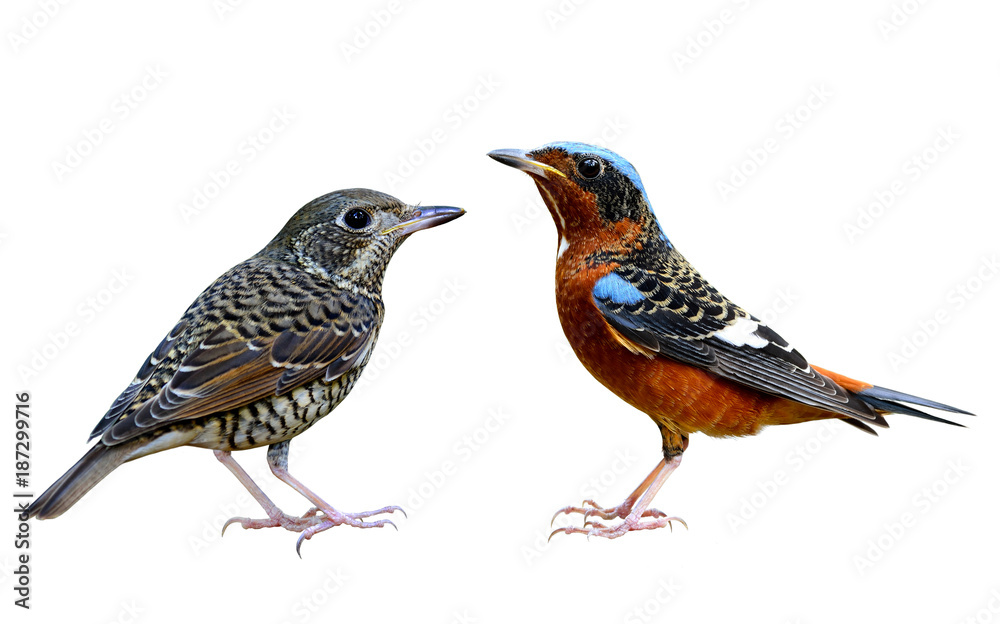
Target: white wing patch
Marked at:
742, 332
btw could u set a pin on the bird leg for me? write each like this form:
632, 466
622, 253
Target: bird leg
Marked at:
319, 518
633, 509
275, 517
277, 458
590, 507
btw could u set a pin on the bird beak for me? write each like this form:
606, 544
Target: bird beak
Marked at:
424, 217
519, 159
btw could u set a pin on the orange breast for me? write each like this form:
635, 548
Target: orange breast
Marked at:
679, 397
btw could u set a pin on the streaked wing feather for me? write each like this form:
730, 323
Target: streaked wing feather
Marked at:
227, 371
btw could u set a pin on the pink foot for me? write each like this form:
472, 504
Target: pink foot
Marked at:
649, 519
331, 518
315, 521
279, 519
591, 508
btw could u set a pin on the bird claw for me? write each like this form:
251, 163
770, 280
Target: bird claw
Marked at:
316, 520
655, 520
228, 522
388, 509
359, 515
348, 519
590, 507
292, 523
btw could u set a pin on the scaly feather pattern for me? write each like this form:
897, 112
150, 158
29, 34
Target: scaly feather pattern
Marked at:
269, 348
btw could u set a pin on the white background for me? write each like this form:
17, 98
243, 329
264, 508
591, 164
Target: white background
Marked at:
489, 361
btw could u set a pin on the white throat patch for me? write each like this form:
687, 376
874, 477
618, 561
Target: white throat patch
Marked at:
563, 243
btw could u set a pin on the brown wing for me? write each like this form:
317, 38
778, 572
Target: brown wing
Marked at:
238, 363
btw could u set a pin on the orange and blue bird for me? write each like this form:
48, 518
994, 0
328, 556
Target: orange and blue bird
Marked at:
652, 330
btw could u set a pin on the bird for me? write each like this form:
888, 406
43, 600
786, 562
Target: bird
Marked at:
269, 348
654, 332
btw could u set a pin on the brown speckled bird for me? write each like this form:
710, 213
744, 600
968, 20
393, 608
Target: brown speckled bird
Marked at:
272, 346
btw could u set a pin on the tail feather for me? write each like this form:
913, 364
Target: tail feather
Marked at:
899, 408
887, 400
885, 394
96, 464
854, 422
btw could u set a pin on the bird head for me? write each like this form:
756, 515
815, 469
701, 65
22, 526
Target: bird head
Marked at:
353, 233
594, 195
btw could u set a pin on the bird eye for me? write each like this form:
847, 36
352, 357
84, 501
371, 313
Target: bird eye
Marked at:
357, 219
589, 168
